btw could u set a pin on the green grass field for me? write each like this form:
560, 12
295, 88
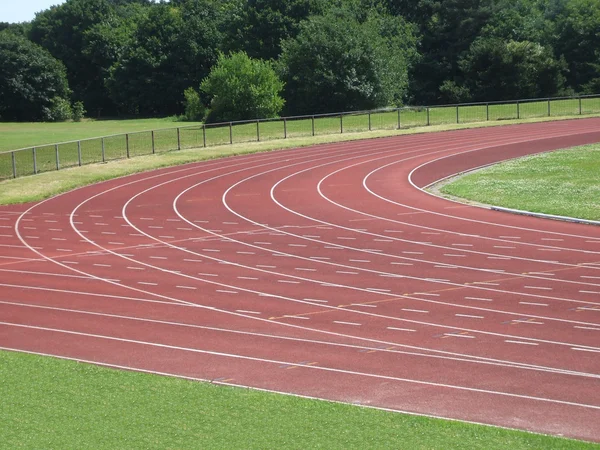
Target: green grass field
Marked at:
168, 135
564, 183
54, 404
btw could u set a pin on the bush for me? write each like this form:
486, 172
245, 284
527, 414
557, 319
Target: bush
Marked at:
242, 88
194, 109
58, 111
78, 111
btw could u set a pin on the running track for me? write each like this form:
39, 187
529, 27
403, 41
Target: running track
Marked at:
324, 272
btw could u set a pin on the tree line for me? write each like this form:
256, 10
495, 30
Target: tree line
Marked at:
222, 60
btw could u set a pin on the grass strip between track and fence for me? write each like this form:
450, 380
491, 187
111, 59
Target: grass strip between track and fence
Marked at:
50, 157
563, 183
53, 182
53, 403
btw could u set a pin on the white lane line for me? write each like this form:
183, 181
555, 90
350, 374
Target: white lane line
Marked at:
401, 329
305, 269
504, 246
519, 342
479, 299
59, 239
509, 237
245, 253
413, 253
359, 260
463, 245
266, 267
63, 250
589, 292
185, 229
315, 300
311, 236
208, 274
585, 350
469, 316
547, 274
102, 265
347, 323
158, 257
297, 245
211, 250
363, 305
146, 218
192, 260
243, 311
288, 281
383, 240
116, 243
422, 311
346, 272
378, 290
167, 237
533, 304
548, 249
248, 278
55, 229
459, 335
393, 231
147, 283
552, 239
136, 268
394, 263
486, 283
538, 287
263, 243
296, 317
586, 328
225, 291
505, 258
186, 287
590, 277
454, 255
111, 233
319, 257
431, 294
346, 238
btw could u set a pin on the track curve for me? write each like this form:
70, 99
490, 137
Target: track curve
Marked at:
325, 272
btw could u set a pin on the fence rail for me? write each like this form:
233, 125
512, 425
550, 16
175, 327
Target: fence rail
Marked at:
44, 158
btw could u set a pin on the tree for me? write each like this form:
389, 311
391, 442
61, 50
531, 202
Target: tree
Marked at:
172, 49
338, 63
242, 88
259, 26
33, 84
61, 30
578, 40
495, 69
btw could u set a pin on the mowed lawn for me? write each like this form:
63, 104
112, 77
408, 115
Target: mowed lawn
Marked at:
49, 403
564, 183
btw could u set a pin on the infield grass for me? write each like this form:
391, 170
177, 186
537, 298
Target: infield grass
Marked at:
55, 404
563, 182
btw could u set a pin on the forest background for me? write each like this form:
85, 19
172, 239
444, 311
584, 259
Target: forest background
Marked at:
219, 60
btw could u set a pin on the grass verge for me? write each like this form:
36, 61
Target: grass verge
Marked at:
51, 403
47, 184
563, 182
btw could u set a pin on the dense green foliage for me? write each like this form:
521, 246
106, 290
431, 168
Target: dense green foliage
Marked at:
33, 85
340, 63
138, 57
242, 88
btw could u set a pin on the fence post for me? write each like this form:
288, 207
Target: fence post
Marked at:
487, 112
456, 113
369, 113
313, 125
284, 128
428, 116
104, 150
548, 107
79, 152
257, 130
14, 164
178, 139
57, 156
399, 123
518, 110
230, 132
204, 135
153, 144
579, 105
127, 143
34, 161
341, 123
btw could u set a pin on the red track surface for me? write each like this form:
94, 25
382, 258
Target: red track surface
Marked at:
323, 272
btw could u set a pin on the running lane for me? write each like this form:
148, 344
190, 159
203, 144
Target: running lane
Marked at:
326, 272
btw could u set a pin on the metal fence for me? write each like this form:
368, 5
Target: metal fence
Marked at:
44, 158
